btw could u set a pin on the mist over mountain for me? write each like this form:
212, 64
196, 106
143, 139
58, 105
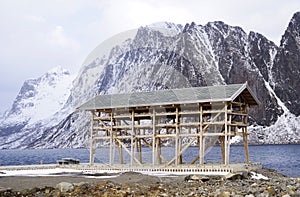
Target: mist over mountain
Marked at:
164, 56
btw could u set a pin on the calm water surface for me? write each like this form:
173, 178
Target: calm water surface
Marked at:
283, 158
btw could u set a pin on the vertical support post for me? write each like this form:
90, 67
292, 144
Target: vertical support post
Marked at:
92, 152
222, 145
202, 148
226, 134
119, 146
158, 148
245, 136
132, 137
120, 153
138, 143
153, 136
229, 131
140, 151
245, 144
177, 151
111, 162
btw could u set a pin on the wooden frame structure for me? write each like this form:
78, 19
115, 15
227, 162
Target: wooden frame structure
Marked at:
198, 117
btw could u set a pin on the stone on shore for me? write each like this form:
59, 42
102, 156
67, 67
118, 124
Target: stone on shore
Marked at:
135, 184
65, 187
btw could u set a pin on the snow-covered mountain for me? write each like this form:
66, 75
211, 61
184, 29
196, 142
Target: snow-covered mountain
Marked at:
39, 102
162, 56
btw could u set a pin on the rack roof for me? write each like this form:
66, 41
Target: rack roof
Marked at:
205, 94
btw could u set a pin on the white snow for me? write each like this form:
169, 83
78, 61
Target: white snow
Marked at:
280, 103
236, 139
168, 29
50, 93
272, 53
89, 173
38, 172
258, 176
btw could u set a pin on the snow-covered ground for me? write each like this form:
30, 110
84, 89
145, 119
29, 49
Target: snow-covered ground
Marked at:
98, 173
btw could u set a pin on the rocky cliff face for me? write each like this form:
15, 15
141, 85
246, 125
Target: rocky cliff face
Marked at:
286, 67
165, 55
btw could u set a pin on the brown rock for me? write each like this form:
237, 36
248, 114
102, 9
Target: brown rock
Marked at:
271, 191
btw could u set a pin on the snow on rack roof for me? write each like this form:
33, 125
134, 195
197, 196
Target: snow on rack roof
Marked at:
172, 96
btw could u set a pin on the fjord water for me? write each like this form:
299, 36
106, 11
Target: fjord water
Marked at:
283, 158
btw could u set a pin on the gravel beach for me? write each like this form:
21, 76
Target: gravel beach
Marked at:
136, 184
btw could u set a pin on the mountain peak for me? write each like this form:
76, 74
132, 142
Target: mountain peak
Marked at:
58, 70
167, 28
296, 16
41, 97
292, 34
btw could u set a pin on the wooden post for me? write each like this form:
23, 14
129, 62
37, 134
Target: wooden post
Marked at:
158, 149
202, 148
245, 136
120, 150
222, 144
153, 136
177, 137
226, 134
132, 138
139, 144
245, 145
140, 150
92, 152
111, 159
229, 132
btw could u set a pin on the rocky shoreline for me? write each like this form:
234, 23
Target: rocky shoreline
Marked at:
262, 182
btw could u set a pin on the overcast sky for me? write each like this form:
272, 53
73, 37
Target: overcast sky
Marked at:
37, 35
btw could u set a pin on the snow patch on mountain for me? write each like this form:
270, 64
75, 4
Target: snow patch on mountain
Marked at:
286, 130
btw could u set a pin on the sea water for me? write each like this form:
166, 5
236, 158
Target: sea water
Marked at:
283, 158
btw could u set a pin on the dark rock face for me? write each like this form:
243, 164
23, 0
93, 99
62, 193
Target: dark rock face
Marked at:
286, 69
198, 56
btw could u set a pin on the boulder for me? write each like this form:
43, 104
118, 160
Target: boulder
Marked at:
65, 186
237, 176
192, 178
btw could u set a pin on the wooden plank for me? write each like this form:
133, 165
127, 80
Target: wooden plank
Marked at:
226, 136
153, 136
201, 148
92, 140
177, 138
189, 112
132, 138
111, 159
